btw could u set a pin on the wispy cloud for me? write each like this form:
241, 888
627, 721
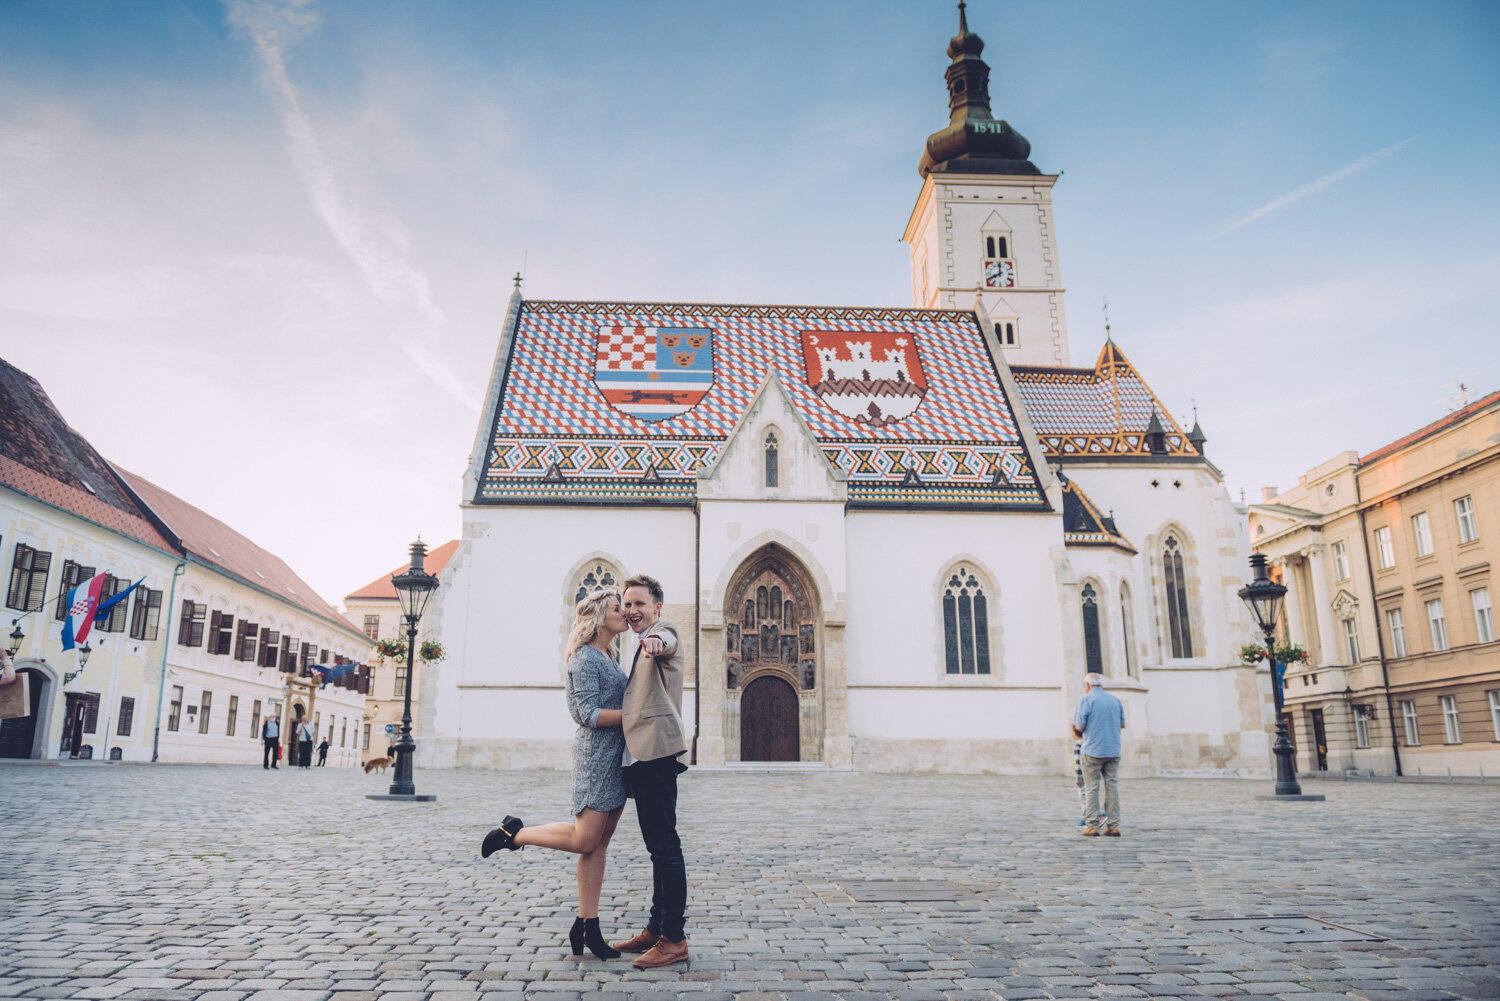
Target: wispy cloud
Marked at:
1277, 204
370, 238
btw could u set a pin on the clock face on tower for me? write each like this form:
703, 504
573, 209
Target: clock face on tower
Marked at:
999, 273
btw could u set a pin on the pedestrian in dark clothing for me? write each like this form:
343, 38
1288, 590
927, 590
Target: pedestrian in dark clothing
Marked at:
305, 736
323, 753
270, 736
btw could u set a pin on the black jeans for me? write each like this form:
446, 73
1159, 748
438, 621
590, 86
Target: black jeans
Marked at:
268, 760
654, 786
304, 755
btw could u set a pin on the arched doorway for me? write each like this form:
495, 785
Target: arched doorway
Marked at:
773, 705
18, 736
768, 721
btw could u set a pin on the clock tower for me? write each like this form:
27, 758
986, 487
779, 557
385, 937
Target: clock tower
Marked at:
983, 221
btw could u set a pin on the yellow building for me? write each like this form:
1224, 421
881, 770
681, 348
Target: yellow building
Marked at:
376, 610
1387, 559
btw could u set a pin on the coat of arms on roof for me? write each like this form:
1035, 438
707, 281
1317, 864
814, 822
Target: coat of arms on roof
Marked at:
873, 377
654, 372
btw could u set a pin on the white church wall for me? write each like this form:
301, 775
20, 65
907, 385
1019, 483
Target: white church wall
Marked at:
498, 700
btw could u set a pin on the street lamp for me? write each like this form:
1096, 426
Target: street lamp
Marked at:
16, 636
83, 660
1264, 598
414, 588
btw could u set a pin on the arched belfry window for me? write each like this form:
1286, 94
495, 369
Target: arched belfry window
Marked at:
771, 468
1093, 651
966, 623
1179, 624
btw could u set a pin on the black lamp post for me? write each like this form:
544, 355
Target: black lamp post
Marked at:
414, 588
16, 636
83, 661
1264, 598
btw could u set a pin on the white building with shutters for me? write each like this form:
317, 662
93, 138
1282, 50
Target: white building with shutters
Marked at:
892, 539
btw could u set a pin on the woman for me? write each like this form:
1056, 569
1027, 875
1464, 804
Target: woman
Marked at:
596, 691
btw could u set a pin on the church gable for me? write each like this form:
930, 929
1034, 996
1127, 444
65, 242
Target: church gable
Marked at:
629, 402
771, 455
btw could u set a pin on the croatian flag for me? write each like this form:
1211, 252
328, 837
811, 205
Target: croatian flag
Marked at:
83, 602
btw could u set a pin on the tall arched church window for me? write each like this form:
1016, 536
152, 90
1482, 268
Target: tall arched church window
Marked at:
966, 623
1179, 625
1004, 250
771, 471
1005, 333
1093, 652
597, 577
1125, 633
989, 247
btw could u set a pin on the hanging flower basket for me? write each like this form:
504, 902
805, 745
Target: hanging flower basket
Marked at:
1254, 653
431, 651
390, 649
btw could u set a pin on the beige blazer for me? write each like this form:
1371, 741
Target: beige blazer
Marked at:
653, 699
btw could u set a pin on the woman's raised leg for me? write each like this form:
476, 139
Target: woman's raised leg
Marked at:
580, 837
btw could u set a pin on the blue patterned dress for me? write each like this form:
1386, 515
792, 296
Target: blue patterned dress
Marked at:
596, 682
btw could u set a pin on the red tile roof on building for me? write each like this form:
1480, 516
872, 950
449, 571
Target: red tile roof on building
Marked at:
219, 547
1457, 417
1096, 412
42, 457
381, 586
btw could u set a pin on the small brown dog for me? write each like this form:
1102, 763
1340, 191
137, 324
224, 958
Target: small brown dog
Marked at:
375, 763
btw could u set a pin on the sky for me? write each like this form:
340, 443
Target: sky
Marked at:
259, 252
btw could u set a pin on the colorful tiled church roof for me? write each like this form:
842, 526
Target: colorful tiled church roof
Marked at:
1084, 525
1098, 412
626, 402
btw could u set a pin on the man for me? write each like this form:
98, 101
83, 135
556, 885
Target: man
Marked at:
654, 740
270, 736
1099, 719
323, 753
304, 744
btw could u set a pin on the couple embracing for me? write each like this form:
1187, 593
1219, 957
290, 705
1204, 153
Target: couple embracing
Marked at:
630, 737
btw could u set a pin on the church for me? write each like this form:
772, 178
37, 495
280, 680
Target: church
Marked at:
893, 539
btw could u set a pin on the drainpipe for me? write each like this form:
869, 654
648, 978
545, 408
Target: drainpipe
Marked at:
1385, 675
161, 687
697, 626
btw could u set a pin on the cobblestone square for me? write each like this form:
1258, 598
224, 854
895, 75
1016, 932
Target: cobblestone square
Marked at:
224, 883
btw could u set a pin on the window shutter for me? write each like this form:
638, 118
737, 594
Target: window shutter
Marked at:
66, 580
15, 595
185, 627
214, 619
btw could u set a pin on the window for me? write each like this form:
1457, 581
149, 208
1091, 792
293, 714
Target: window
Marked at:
1397, 629
1005, 333
400, 691
1421, 532
190, 629
1468, 525
244, 640
255, 720
365, 740
1484, 618
268, 640
127, 716
1093, 654
220, 636
72, 575
1449, 705
28, 579
1409, 721
1351, 640
1126, 634
372, 626
1340, 561
203, 711
1179, 626
1361, 728
966, 624
289, 655
996, 246
145, 615
174, 713
1385, 554
343, 733
115, 620
1495, 711
771, 455
1435, 622
597, 579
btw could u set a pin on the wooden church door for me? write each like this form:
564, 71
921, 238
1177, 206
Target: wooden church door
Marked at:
768, 721
771, 655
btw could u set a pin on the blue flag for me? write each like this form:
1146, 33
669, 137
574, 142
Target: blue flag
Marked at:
102, 612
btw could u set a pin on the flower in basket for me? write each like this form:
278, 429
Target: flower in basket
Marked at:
431, 651
390, 649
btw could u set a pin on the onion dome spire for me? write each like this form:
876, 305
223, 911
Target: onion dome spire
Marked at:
975, 142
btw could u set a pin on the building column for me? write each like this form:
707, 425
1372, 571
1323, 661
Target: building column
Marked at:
1293, 603
1328, 644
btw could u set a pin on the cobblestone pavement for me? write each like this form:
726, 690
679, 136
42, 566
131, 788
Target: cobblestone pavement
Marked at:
225, 883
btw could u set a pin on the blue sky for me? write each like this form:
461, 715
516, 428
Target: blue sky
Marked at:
281, 234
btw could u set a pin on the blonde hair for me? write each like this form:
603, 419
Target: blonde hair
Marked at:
588, 616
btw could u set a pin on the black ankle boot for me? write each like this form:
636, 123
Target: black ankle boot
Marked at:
595, 940
575, 936
503, 836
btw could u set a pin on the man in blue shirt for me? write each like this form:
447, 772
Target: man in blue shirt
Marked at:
1099, 719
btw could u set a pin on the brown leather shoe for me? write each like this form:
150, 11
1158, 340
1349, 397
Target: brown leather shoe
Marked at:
643, 941
664, 953
1091, 832
1113, 832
